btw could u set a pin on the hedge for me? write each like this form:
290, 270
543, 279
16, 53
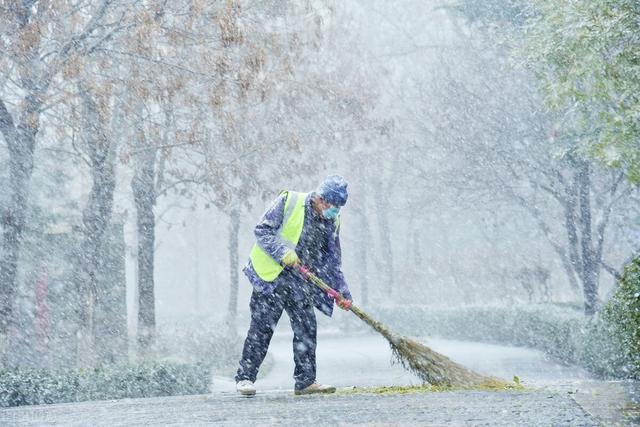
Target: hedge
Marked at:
607, 345
552, 329
27, 386
614, 335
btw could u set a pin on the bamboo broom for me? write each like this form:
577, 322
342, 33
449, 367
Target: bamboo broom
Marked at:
430, 366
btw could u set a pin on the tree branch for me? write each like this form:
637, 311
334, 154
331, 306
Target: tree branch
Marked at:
615, 273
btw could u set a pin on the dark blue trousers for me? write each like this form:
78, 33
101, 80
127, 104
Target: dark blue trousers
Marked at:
266, 310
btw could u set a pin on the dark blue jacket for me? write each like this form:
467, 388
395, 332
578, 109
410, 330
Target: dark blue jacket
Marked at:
318, 248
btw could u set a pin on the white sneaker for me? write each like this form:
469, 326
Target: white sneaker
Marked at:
316, 388
245, 388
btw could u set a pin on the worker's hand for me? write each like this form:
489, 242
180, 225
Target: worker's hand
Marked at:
304, 271
344, 303
290, 258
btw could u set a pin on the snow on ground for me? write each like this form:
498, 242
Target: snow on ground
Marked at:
361, 360
365, 360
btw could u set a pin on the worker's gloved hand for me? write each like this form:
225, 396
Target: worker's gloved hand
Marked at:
290, 258
342, 302
304, 271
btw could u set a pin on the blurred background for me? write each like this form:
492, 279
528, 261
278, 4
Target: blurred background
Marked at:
491, 160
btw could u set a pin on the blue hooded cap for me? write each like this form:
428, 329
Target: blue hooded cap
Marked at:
334, 190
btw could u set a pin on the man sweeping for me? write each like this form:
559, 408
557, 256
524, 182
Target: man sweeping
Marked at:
299, 229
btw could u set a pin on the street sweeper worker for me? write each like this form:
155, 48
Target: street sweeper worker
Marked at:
299, 229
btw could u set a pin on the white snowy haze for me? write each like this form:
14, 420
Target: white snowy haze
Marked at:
163, 130
431, 120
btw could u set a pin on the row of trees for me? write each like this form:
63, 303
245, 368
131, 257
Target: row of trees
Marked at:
221, 103
187, 99
585, 57
478, 143
578, 59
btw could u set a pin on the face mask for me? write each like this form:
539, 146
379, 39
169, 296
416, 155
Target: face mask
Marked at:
331, 213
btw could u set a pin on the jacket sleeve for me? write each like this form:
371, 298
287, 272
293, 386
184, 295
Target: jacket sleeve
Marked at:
335, 263
266, 230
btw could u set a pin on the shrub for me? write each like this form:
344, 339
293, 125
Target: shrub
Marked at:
607, 345
612, 343
554, 330
39, 386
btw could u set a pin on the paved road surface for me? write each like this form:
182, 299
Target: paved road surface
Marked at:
280, 408
362, 361
365, 361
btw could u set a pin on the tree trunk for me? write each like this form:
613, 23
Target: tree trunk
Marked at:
196, 266
13, 224
234, 229
572, 265
96, 219
590, 269
570, 271
21, 142
144, 194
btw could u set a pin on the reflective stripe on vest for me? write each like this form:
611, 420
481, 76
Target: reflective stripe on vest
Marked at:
290, 231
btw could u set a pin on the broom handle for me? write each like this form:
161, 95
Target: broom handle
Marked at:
378, 326
307, 274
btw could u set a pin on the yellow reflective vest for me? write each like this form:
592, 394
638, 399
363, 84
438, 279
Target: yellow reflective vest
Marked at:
267, 268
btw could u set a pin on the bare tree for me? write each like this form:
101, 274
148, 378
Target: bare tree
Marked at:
40, 41
512, 153
96, 216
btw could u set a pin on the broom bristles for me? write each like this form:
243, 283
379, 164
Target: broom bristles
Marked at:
428, 365
432, 367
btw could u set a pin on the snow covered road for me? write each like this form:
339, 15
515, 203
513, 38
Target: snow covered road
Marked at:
362, 360
365, 360
281, 408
